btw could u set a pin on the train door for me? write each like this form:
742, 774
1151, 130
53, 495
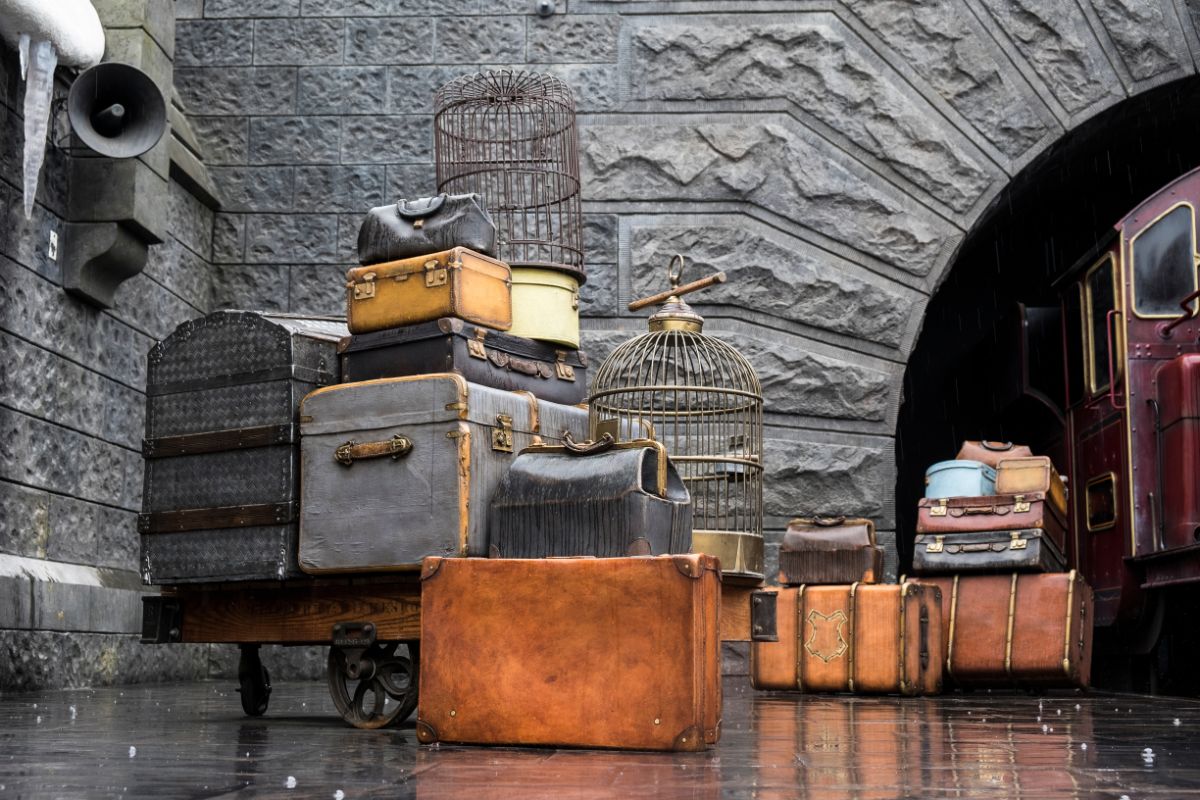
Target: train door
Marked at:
1097, 428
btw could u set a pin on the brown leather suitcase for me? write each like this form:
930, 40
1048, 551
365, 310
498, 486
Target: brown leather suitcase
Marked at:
1024, 629
829, 550
578, 652
875, 639
453, 283
990, 453
1029, 475
992, 513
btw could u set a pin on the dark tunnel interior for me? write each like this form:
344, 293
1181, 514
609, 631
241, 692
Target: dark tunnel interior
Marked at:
963, 379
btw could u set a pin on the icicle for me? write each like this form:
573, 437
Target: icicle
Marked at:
39, 87
23, 47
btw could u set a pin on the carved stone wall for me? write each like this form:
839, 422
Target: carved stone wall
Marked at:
829, 157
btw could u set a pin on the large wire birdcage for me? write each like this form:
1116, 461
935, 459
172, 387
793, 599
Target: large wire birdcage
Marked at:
703, 400
510, 137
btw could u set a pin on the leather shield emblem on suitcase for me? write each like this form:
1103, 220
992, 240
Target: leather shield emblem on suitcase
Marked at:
578, 652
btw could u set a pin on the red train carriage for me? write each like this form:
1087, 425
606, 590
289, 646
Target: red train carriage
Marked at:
1131, 347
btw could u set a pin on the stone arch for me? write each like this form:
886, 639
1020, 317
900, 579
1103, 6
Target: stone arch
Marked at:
835, 162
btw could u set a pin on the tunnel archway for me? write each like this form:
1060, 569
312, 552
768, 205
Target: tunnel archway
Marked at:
959, 382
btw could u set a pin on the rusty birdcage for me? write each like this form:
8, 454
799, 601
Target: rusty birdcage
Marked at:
703, 400
511, 137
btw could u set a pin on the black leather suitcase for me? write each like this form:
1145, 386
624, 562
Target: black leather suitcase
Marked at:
1026, 550
481, 355
221, 495
600, 499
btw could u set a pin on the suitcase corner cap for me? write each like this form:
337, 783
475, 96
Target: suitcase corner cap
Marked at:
689, 739
688, 565
429, 566
426, 733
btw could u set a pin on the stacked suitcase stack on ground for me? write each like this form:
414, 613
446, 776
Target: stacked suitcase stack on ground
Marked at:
991, 534
830, 628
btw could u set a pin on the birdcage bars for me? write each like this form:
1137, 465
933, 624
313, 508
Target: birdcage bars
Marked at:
703, 400
510, 136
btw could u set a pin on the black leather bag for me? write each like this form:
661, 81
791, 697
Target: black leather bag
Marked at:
604, 499
413, 228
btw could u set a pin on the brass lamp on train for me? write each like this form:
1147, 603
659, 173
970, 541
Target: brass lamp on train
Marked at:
703, 400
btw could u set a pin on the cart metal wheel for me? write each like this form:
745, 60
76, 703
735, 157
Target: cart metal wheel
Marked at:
374, 687
254, 682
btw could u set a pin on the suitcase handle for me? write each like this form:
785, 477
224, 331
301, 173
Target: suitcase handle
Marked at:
601, 445
996, 447
828, 522
397, 447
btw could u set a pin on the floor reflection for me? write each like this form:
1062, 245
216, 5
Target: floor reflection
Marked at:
192, 741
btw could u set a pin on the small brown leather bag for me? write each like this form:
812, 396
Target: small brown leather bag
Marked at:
828, 550
990, 453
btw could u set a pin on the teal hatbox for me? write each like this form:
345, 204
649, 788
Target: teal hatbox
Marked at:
959, 478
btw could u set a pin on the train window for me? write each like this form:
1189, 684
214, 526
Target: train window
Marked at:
1073, 306
1101, 502
1100, 286
1164, 264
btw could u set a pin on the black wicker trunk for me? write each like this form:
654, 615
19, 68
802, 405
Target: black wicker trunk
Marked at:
221, 494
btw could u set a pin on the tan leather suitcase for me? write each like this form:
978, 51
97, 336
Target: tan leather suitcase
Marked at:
578, 652
992, 513
453, 283
990, 453
875, 639
1025, 629
1029, 475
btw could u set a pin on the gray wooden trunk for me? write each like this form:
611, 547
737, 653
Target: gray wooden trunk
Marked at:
384, 513
221, 433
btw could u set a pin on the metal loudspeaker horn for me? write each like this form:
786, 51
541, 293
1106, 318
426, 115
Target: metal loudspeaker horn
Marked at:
117, 110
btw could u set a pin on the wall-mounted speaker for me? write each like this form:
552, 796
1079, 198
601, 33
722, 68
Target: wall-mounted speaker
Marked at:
117, 110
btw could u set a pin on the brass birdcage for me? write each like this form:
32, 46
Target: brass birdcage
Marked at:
703, 400
511, 137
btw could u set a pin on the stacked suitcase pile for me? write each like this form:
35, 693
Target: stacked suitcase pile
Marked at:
830, 627
991, 534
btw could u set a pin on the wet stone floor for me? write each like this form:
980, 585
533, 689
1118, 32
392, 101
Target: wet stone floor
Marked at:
191, 741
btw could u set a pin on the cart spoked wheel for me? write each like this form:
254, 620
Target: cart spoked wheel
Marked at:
254, 682
374, 687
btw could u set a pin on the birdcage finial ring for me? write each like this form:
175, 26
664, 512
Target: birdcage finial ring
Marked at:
675, 275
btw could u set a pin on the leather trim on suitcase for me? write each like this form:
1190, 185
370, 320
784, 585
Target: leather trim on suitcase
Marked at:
216, 441
198, 519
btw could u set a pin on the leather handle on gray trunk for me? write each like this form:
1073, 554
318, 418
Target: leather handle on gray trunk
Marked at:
397, 447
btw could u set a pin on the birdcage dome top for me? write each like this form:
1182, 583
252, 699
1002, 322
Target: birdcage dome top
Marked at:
505, 88
685, 359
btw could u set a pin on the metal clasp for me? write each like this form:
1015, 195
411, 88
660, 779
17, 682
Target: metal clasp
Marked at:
475, 348
562, 369
1017, 543
435, 274
365, 289
502, 434
936, 546
1020, 505
938, 509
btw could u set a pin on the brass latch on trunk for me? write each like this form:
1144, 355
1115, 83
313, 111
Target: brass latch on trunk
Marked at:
936, 546
1020, 505
435, 274
1016, 543
938, 510
366, 289
562, 369
475, 348
502, 434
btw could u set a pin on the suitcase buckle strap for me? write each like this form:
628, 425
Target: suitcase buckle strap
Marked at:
936, 546
1017, 543
502, 434
397, 447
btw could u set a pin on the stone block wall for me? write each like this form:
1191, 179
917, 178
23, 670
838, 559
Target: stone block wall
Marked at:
830, 159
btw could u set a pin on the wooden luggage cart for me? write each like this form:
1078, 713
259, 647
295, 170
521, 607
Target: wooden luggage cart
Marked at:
365, 620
